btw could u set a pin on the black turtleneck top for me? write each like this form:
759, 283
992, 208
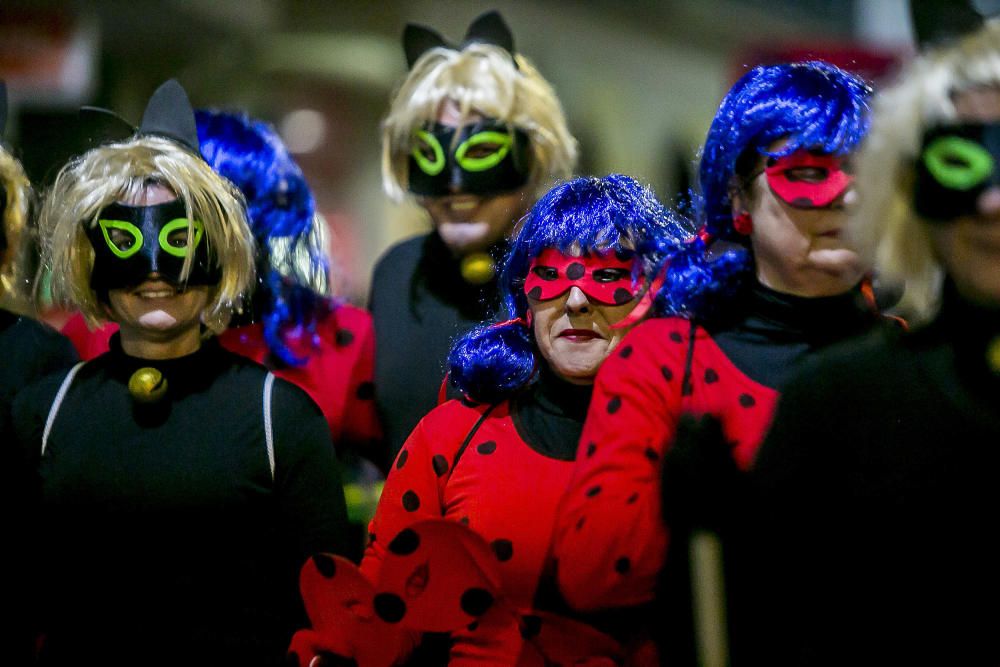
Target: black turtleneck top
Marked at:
875, 542
161, 536
768, 332
420, 304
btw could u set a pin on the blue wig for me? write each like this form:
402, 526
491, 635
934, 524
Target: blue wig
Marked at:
493, 361
814, 105
292, 266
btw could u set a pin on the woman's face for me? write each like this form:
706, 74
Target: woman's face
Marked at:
799, 250
156, 310
472, 222
573, 329
969, 246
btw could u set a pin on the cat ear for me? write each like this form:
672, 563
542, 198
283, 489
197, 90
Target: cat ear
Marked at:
169, 114
418, 40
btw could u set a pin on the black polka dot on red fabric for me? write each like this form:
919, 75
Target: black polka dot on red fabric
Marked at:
471, 627
622, 296
503, 549
405, 543
676, 337
626, 352
325, 565
464, 521
292, 659
592, 491
476, 601
591, 448
686, 387
487, 447
575, 271
747, 401
401, 459
411, 502
614, 405
371, 537
711, 376
579, 524
631, 499
365, 391
535, 293
668, 374
623, 565
389, 607
652, 454
440, 464
531, 625
344, 337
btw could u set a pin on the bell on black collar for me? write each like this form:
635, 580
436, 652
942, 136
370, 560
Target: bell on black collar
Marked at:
147, 385
478, 268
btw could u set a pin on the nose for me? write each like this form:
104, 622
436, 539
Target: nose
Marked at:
988, 203
577, 301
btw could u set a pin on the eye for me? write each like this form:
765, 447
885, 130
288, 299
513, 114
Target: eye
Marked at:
121, 239
425, 150
546, 272
610, 275
807, 174
178, 238
427, 153
482, 150
957, 163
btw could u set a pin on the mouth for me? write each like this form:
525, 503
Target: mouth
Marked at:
579, 335
832, 234
156, 290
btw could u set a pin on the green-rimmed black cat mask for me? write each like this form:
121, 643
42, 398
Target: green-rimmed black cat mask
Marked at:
131, 242
482, 158
957, 163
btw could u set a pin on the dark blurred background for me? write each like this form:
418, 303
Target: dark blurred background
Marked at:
639, 79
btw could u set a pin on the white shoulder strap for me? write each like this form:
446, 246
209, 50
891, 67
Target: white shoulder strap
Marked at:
268, 426
57, 403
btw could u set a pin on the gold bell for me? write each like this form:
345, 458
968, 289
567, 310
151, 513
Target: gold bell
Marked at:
478, 268
147, 385
993, 355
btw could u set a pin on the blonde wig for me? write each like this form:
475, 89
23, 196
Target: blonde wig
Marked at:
120, 172
480, 78
21, 253
886, 228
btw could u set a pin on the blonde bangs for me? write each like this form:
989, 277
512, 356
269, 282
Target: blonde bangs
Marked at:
481, 78
120, 172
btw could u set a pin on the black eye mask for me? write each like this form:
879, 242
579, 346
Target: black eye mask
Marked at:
957, 164
488, 158
131, 242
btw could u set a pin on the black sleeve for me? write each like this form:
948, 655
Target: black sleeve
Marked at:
307, 476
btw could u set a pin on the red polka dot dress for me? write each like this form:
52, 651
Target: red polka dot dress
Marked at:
337, 376
503, 482
609, 538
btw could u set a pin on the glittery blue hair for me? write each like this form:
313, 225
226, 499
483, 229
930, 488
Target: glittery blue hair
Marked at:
292, 267
493, 361
815, 105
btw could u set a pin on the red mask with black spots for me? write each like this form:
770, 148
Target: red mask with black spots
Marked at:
806, 180
604, 277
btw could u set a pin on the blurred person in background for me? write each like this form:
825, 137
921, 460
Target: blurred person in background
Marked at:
875, 540
474, 135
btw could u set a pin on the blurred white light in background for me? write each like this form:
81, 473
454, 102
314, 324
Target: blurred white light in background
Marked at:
303, 130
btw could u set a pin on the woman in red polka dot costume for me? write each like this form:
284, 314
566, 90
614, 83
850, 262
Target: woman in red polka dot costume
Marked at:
768, 281
499, 460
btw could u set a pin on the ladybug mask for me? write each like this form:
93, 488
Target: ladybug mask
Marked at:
957, 164
806, 180
604, 277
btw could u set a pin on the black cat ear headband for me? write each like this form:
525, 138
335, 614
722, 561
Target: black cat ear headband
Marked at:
488, 28
937, 22
168, 114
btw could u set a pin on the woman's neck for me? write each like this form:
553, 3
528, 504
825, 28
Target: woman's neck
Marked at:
145, 345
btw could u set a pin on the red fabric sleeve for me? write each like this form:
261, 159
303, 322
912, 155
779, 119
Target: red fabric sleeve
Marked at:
361, 427
88, 344
609, 538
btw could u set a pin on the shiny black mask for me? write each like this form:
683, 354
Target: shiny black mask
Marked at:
131, 242
957, 164
485, 158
